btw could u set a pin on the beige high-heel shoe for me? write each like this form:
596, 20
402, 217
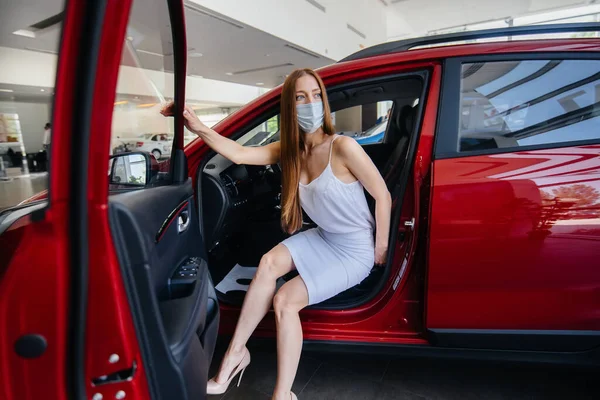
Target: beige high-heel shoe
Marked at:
213, 387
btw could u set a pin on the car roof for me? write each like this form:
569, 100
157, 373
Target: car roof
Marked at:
407, 44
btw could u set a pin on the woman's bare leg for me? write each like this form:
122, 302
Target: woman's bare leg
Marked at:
276, 263
289, 300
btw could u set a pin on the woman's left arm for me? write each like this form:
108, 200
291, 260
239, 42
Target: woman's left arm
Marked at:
360, 165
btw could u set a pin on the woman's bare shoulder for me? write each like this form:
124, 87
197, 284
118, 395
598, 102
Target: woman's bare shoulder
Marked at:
346, 146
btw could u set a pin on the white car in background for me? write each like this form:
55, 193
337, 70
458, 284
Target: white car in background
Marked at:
159, 144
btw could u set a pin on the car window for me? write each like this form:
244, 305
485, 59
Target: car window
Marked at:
29, 57
146, 81
513, 104
367, 124
264, 133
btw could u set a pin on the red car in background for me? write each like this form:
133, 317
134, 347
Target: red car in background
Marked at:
492, 156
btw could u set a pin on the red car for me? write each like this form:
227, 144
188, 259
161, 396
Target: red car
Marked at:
491, 153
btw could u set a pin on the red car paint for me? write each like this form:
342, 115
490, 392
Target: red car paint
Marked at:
528, 224
33, 288
34, 271
111, 329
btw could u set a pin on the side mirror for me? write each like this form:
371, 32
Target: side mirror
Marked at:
130, 170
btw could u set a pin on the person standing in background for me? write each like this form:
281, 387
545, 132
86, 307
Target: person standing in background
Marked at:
46, 143
46, 140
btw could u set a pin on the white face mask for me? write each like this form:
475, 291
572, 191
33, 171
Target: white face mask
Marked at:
310, 116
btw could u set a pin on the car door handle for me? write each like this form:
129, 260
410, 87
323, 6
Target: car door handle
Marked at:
183, 221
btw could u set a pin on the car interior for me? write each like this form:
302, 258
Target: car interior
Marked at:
240, 205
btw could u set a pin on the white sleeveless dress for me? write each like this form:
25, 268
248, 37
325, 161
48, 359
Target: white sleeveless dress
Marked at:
340, 253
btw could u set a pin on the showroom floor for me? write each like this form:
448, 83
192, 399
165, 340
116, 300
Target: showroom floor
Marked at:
15, 190
333, 377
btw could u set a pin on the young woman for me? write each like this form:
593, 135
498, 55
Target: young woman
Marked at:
324, 174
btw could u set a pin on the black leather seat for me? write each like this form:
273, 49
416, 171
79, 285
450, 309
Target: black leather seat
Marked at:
399, 134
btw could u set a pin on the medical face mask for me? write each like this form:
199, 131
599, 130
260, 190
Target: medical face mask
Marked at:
310, 116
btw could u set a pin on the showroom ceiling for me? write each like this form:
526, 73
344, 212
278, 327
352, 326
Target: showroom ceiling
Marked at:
410, 18
218, 47
224, 49
22, 93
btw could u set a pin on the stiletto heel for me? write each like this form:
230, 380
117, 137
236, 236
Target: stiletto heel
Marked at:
213, 387
240, 379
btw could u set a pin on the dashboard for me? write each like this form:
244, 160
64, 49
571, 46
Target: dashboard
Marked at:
235, 195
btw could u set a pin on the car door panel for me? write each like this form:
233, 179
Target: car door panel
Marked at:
161, 251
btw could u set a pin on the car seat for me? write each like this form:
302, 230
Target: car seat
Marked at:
399, 133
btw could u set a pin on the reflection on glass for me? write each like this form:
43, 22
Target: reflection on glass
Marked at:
534, 102
146, 81
129, 169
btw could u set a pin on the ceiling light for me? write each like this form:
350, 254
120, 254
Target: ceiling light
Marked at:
150, 52
42, 90
301, 50
41, 50
195, 54
6, 90
229, 73
261, 69
146, 105
259, 83
267, 55
25, 32
118, 103
214, 16
130, 38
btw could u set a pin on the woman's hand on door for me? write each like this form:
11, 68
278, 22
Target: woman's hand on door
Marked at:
192, 122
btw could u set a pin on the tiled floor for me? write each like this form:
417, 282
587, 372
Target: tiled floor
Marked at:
333, 377
14, 191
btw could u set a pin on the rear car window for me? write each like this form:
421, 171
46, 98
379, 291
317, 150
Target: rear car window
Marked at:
512, 104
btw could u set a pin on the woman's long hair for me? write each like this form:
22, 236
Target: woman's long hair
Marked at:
292, 147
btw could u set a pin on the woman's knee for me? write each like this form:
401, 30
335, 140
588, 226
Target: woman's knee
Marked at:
274, 264
284, 303
268, 267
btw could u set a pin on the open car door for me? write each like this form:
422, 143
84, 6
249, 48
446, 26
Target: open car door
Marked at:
152, 217
105, 290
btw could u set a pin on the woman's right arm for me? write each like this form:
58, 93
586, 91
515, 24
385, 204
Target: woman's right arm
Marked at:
264, 155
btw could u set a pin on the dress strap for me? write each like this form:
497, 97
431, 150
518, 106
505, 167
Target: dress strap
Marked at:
331, 147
